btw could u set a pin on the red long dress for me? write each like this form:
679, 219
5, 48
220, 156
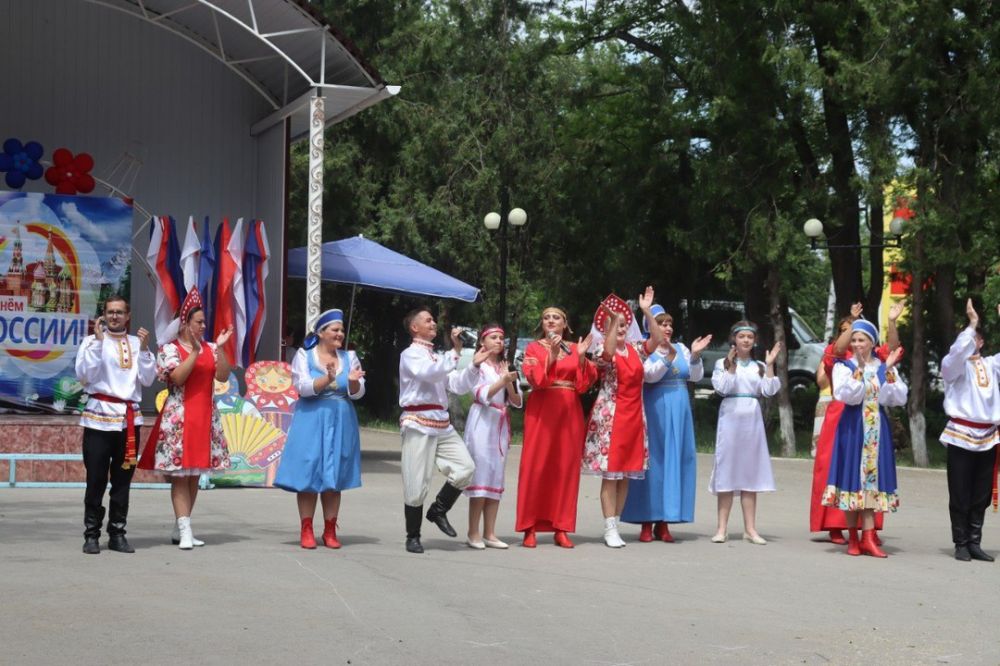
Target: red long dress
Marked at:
615, 446
549, 476
825, 518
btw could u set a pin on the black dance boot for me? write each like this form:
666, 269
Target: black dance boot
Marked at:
93, 518
117, 516
975, 538
960, 535
414, 516
438, 513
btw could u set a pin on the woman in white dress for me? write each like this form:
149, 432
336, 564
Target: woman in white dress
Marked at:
487, 435
742, 462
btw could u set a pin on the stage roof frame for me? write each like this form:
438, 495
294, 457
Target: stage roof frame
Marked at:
284, 49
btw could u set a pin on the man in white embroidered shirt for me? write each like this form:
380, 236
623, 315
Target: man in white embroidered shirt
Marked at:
113, 367
972, 403
429, 440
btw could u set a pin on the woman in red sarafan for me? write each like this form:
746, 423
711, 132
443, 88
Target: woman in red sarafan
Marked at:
825, 518
616, 448
549, 475
187, 439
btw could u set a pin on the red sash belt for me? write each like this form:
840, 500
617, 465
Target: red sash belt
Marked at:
972, 424
422, 408
130, 443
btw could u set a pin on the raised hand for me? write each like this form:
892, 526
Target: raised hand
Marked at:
698, 345
772, 355
896, 310
646, 298
99, 326
143, 336
456, 339
582, 345
970, 312
857, 310
890, 362
731, 359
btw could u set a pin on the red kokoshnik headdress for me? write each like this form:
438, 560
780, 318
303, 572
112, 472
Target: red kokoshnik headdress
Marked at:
191, 301
612, 304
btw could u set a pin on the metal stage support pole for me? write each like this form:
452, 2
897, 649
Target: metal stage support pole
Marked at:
314, 264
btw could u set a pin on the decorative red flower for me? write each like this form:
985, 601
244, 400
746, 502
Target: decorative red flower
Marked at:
70, 174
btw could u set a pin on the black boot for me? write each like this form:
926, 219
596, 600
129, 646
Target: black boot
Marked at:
438, 513
93, 518
117, 517
975, 538
960, 535
414, 516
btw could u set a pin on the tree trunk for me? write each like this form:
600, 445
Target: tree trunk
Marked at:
777, 314
918, 358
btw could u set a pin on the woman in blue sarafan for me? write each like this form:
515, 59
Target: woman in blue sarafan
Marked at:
322, 454
666, 495
862, 478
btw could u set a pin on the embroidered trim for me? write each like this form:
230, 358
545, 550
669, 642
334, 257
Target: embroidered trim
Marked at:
102, 418
982, 376
990, 439
424, 421
490, 489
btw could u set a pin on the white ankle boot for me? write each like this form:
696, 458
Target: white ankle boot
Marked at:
175, 538
611, 537
186, 541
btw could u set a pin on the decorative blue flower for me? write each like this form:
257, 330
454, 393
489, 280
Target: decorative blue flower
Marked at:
20, 161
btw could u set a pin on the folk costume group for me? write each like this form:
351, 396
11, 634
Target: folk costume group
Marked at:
638, 437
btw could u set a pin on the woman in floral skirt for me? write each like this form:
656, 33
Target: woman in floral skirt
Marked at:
187, 439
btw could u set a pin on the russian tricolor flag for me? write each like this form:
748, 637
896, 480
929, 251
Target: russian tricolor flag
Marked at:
163, 257
255, 260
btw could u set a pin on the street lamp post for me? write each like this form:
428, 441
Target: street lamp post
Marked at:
813, 229
515, 218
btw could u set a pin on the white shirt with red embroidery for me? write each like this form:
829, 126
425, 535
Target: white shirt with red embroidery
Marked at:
114, 367
971, 394
425, 378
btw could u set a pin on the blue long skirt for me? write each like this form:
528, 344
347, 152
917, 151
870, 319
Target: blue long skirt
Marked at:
846, 489
323, 449
668, 491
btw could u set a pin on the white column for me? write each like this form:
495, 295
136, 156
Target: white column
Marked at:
314, 265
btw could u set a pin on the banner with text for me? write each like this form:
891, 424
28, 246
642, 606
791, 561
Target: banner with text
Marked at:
60, 257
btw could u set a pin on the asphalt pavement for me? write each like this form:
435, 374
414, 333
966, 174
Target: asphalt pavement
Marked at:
253, 596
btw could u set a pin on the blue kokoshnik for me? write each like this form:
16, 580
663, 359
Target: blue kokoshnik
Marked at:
324, 320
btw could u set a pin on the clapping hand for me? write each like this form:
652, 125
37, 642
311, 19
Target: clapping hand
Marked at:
582, 345
224, 336
355, 374
481, 355
890, 362
772, 355
698, 345
456, 339
857, 310
143, 336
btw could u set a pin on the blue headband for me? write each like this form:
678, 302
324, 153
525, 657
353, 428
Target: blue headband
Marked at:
866, 327
656, 310
739, 329
325, 319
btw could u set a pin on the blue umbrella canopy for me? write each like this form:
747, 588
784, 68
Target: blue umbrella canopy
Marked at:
364, 263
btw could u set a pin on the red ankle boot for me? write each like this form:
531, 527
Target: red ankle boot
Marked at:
330, 533
878, 539
307, 539
837, 537
646, 533
868, 545
562, 539
853, 545
663, 532
530, 541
